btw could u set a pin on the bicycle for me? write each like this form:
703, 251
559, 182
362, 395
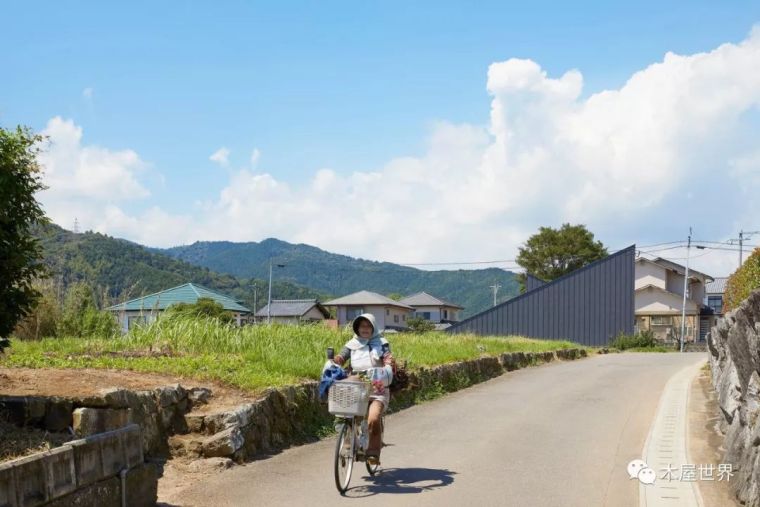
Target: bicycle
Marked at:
349, 400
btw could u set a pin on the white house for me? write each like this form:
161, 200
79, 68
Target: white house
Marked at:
389, 314
436, 310
658, 299
293, 311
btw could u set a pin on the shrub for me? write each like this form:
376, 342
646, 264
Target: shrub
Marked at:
419, 325
742, 282
642, 339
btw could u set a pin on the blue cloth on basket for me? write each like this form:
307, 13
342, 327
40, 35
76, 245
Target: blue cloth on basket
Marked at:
329, 376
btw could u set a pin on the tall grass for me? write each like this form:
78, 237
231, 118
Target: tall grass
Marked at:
252, 357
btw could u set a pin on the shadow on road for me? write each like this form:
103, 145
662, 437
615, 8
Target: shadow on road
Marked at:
402, 481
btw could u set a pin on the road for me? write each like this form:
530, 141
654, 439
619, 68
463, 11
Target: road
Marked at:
558, 434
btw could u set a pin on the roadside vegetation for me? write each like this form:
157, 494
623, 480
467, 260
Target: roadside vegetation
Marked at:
644, 341
742, 282
251, 357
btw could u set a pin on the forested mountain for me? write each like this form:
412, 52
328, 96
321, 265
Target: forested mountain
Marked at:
122, 270
339, 274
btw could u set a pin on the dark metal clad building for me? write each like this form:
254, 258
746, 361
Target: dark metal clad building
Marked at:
589, 306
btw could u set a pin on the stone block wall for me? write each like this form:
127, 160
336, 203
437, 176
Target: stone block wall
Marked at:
734, 353
95, 471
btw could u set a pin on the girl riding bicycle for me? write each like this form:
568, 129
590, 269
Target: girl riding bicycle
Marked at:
368, 351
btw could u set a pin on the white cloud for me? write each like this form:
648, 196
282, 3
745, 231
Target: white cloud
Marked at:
83, 178
255, 156
221, 157
672, 147
87, 93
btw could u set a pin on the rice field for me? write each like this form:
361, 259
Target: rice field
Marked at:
253, 357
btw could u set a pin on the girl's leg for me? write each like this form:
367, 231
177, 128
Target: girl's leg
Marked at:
374, 424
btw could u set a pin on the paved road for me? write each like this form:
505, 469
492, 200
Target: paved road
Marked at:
559, 434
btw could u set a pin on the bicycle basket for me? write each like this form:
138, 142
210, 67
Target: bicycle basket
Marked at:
348, 398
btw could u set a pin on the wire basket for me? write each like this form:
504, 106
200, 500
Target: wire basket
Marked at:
348, 398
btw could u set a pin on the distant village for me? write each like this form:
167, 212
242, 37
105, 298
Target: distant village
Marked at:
655, 291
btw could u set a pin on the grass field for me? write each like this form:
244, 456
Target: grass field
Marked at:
252, 357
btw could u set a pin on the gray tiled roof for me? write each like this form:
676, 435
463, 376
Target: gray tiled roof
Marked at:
365, 297
291, 308
716, 287
425, 299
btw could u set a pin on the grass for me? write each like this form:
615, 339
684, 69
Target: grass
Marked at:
253, 357
19, 442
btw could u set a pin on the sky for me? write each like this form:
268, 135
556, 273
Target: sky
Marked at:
410, 132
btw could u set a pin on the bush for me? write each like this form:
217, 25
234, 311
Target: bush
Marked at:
742, 282
642, 339
81, 318
419, 325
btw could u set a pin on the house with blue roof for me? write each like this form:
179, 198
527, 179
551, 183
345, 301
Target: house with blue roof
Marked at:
147, 308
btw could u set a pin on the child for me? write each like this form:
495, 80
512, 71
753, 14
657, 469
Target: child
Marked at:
368, 349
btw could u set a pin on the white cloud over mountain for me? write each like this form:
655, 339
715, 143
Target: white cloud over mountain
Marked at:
675, 146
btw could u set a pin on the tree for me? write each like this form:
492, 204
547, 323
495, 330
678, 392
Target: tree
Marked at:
203, 307
42, 321
552, 253
419, 325
81, 318
742, 282
20, 252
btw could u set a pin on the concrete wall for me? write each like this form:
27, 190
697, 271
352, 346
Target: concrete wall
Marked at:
734, 353
648, 273
384, 315
95, 471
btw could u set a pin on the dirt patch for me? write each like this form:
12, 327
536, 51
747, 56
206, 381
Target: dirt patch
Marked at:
705, 440
71, 383
19, 442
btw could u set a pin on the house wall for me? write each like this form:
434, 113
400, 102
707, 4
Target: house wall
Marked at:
653, 302
384, 315
313, 314
671, 330
650, 274
436, 314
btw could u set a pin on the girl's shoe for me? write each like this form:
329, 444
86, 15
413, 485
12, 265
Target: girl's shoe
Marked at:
373, 460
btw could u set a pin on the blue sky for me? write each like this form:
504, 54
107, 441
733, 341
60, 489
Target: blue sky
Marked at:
348, 86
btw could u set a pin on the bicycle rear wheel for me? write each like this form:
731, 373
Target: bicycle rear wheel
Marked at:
344, 456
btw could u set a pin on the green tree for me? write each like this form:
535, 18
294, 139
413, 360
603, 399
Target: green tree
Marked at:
42, 321
395, 296
20, 253
419, 325
82, 318
203, 307
552, 253
742, 282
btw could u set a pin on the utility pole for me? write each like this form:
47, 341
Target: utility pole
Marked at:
76, 225
495, 288
269, 299
685, 290
742, 236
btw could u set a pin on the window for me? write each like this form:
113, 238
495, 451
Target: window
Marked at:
426, 315
715, 303
353, 311
445, 314
662, 320
136, 320
387, 311
395, 319
403, 317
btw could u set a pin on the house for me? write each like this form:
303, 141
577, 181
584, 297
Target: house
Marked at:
589, 306
389, 314
659, 299
293, 311
147, 308
436, 310
714, 292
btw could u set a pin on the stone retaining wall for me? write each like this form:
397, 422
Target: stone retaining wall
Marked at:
160, 413
291, 415
86, 472
734, 353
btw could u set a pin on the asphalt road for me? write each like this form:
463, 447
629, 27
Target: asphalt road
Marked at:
558, 434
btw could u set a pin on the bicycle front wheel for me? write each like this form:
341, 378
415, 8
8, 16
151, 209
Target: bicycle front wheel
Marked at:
344, 456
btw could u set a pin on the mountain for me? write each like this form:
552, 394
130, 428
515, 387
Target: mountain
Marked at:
339, 274
123, 270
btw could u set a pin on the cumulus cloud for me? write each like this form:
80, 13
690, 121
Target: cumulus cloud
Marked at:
221, 157
674, 146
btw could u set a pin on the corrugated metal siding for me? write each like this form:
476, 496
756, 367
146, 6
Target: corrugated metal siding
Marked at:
588, 306
532, 282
